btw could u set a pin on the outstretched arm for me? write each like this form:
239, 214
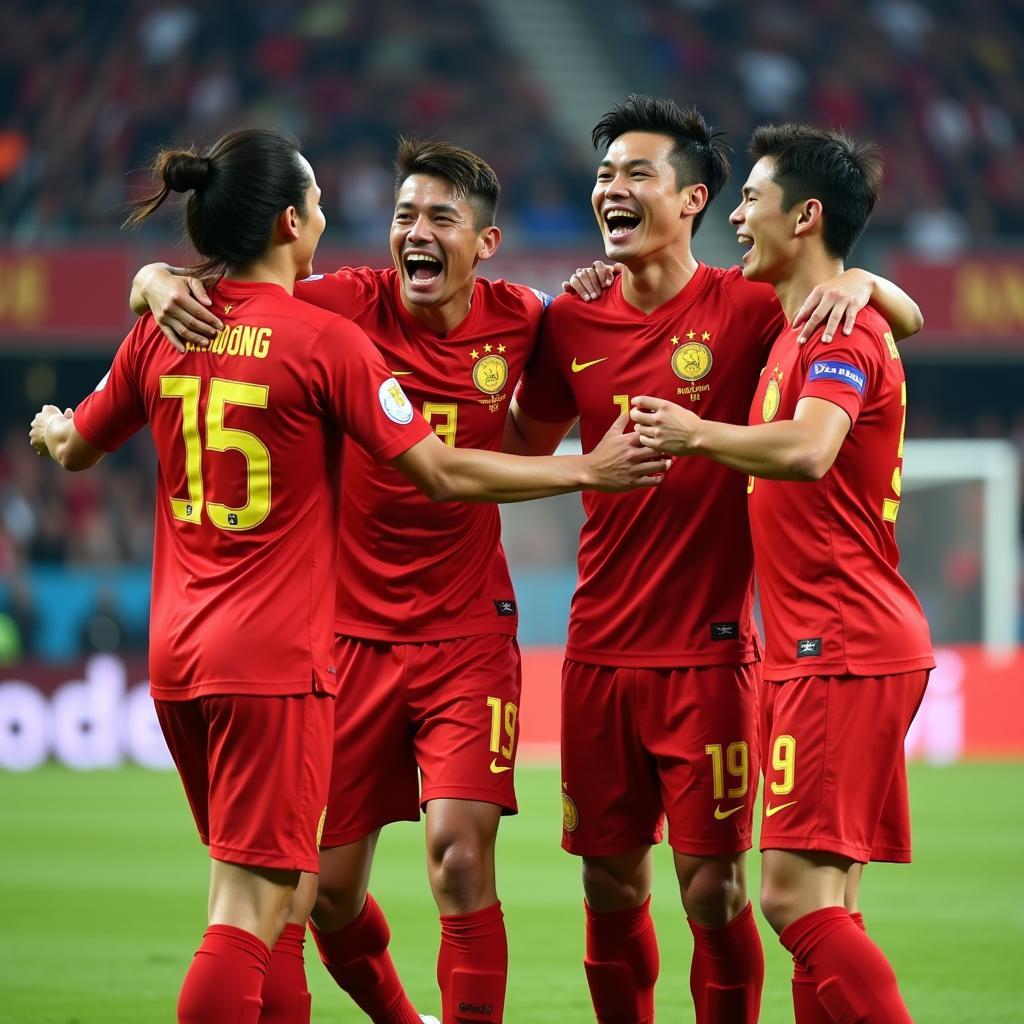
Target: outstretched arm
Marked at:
842, 297
619, 463
802, 448
53, 433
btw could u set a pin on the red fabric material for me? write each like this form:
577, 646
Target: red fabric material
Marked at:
634, 751
622, 964
224, 981
246, 535
286, 998
422, 731
413, 569
832, 598
704, 348
472, 966
357, 957
807, 1009
727, 971
256, 772
841, 785
855, 982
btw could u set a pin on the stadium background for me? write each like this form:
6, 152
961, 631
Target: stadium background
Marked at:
87, 93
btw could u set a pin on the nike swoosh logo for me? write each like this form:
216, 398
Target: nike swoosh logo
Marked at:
722, 815
400, 373
499, 768
769, 810
576, 366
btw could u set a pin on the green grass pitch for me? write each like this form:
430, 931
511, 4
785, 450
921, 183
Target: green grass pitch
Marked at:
102, 897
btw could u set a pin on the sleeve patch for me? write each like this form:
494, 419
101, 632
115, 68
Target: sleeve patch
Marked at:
545, 299
845, 373
392, 399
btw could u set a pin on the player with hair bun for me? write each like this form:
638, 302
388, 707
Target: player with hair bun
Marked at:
249, 435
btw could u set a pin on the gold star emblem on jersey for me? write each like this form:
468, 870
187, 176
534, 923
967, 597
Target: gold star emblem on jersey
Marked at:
692, 360
490, 374
228, 307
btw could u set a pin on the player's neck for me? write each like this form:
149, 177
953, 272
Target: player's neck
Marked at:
655, 281
803, 277
443, 317
269, 270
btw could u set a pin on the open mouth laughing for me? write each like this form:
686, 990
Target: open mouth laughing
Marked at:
620, 222
422, 268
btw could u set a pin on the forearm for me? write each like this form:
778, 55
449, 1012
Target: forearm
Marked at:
786, 450
899, 309
471, 475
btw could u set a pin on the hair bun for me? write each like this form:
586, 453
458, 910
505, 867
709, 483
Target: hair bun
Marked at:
185, 171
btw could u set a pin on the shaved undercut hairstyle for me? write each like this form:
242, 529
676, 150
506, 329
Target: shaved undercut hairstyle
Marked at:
813, 163
471, 177
699, 155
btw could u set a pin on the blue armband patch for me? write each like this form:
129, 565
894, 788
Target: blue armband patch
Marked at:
545, 299
827, 369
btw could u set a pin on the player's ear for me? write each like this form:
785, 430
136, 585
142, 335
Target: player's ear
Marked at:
808, 217
487, 242
288, 224
695, 198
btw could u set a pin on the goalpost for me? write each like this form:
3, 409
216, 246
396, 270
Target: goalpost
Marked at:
994, 465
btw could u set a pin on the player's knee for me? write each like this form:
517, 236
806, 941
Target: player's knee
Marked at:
713, 892
336, 903
607, 889
778, 904
459, 870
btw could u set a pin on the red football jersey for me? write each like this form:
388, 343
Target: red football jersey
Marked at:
665, 575
248, 438
411, 569
832, 599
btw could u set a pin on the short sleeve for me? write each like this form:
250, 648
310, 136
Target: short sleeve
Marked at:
842, 372
543, 391
346, 291
116, 409
355, 389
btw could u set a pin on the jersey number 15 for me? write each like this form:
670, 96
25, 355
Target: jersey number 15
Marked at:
220, 438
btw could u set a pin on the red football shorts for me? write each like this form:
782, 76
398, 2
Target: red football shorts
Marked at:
834, 770
642, 744
255, 771
421, 722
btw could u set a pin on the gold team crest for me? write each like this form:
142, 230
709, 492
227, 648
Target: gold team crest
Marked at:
692, 359
570, 816
772, 396
490, 374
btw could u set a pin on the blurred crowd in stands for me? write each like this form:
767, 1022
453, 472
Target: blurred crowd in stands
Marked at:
936, 82
90, 90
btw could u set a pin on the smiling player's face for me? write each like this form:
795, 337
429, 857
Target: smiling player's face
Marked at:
435, 241
636, 199
764, 227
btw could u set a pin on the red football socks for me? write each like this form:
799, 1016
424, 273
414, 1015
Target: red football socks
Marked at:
727, 971
855, 982
357, 958
622, 964
286, 998
223, 983
807, 1008
472, 966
